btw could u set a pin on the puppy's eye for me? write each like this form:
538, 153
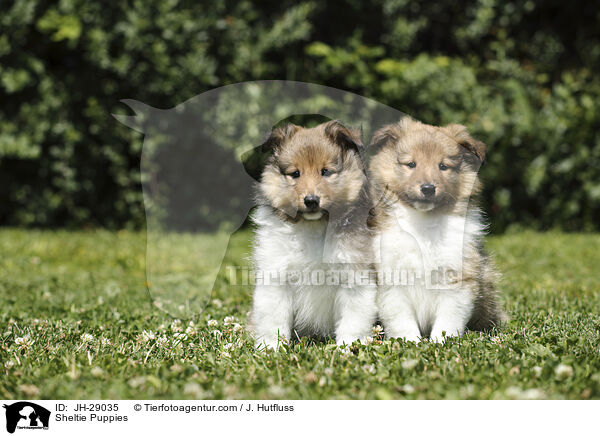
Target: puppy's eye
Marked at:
411, 164
295, 174
443, 167
326, 172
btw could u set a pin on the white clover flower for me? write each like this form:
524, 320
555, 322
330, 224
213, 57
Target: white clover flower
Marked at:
533, 394
190, 331
162, 341
9, 364
180, 336
277, 391
409, 363
29, 390
513, 392
193, 389
537, 370
409, 389
229, 320
563, 371
24, 342
377, 330
137, 381
176, 367
86, 338
237, 328
370, 369
217, 303
147, 335
212, 323
226, 354
176, 326
369, 340
105, 342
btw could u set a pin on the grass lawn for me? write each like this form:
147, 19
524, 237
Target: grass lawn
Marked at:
77, 322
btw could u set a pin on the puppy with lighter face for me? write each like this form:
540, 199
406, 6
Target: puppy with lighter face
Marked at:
434, 278
312, 245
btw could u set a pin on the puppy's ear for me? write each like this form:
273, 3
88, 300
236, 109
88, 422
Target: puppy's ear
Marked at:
347, 139
460, 134
278, 136
384, 136
391, 132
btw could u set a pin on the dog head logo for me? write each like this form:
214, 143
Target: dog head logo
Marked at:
26, 415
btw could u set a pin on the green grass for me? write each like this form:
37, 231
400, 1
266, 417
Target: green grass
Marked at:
56, 288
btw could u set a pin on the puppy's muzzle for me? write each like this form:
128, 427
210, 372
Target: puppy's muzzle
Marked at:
428, 190
312, 202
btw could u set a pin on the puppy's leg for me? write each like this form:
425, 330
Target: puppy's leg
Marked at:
398, 315
356, 312
454, 310
273, 315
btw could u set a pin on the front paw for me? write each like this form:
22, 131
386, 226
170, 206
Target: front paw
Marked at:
345, 341
438, 338
402, 329
342, 340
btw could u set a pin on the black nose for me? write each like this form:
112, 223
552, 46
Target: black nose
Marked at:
312, 201
427, 189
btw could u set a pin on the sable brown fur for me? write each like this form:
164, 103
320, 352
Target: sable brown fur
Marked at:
328, 146
397, 147
311, 218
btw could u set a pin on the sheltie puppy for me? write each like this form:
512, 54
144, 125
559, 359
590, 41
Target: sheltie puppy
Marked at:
434, 278
312, 248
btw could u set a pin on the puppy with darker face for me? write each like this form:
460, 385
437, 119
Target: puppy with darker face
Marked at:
312, 244
434, 279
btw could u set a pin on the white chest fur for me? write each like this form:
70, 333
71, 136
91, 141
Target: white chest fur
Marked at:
302, 298
283, 246
426, 245
420, 271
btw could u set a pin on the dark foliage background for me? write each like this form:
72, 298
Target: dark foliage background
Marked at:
519, 74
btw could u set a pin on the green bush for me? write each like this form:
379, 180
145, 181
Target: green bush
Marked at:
518, 74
